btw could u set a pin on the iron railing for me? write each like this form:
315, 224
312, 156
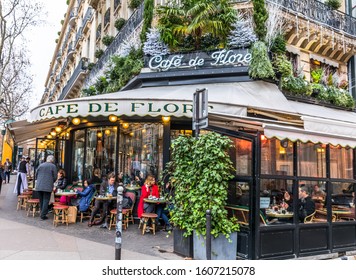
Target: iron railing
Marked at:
317, 11
81, 68
130, 26
88, 16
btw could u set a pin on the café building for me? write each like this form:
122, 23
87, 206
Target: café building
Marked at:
279, 145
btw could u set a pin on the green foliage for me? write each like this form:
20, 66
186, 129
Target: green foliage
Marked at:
209, 42
199, 173
333, 4
107, 40
134, 4
317, 75
147, 19
296, 85
68, 1
119, 23
98, 53
91, 65
279, 45
195, 18
62, 21
283, 66
260, 16
260, 65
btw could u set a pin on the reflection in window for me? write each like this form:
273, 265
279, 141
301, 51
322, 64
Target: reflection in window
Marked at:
78, 160
343, 201
277, 157
238, 202
311, 160
276, 201
341, 162
316, 190
140, 150
241, 156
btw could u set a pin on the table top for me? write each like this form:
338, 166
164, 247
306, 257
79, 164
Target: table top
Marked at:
65, 193
279, 215
135, 188
105, 198
157, 201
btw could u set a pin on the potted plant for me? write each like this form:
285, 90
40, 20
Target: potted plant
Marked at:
260, 65
200, 173
107, 40
283, 67
119, 23
333, 4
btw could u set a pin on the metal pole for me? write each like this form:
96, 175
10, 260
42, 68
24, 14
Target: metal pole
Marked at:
208, 234
118, 233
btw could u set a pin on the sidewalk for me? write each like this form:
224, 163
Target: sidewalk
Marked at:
28, 238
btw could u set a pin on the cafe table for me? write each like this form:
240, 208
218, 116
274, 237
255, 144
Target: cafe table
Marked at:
343, 214
65, 194
155, 201
274, 214
105, 198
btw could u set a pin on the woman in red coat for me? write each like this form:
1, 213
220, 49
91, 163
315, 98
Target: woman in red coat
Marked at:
148, 188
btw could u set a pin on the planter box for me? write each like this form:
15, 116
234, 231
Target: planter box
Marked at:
221, 248
182, 245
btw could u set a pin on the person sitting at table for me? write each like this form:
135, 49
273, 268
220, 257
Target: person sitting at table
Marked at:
149, 188
317, 193
61, 184
84, 197
108, 187
306, 206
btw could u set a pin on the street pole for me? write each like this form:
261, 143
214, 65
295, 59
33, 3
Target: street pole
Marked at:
208, 234
118, 233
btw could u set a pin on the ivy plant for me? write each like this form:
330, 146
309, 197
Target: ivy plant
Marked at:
201, 170
260, 65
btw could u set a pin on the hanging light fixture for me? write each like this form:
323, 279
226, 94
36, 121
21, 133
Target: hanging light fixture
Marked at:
166, 119
49, 136
53, 132
100, 134
76, 121
125, 125
113, 118
107, 131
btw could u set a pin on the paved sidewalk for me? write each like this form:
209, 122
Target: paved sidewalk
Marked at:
28, 238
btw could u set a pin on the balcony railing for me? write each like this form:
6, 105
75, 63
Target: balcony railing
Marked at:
80, 69
87, 17
315, 10
131, 25
78, 36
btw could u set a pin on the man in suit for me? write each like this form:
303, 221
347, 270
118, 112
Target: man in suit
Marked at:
46, 175
107, 188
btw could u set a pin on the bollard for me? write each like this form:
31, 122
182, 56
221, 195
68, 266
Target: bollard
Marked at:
118, 233
208, 234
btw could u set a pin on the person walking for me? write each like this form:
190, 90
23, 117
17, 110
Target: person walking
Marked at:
21, 179
2, 175
46, 175
8, 169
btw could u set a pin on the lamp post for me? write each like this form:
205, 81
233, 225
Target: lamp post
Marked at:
3, 132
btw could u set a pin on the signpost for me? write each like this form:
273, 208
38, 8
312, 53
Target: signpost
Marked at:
118, 233
200, 110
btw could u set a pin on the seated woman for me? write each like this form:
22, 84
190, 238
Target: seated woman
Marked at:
84, 197
61, 184
149, 188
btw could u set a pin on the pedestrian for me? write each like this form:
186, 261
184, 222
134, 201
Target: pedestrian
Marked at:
46, 175
8, 169
21, 179
2, 175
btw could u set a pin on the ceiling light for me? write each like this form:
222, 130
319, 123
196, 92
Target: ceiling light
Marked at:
76, 121
166, 119
112, 118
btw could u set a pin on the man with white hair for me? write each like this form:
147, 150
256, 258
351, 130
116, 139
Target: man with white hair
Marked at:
46, 175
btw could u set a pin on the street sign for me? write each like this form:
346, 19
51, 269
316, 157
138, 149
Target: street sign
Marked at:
200, 110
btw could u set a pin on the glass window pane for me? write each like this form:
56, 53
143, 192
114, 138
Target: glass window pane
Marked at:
238, 203
78, 155
277, 157
311, 160
316, 190
343, 201
241, 156
276, 201
341, 162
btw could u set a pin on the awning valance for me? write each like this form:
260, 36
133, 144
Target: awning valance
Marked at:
230, 98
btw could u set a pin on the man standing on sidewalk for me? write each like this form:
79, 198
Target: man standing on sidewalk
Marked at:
8, 169
21, 179
46, 175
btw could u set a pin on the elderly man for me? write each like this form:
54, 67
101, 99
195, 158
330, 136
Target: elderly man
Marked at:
46, 175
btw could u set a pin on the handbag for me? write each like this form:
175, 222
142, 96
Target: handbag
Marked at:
72, 214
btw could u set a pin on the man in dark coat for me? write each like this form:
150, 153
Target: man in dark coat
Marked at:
305, 203
46, 175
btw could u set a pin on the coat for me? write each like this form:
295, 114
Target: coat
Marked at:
61, 183
86, 198
46, 175
145, 194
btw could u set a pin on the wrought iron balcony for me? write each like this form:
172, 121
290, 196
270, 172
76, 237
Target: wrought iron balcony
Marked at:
78, 36
78, 71
319, 12
87, 17
131, 25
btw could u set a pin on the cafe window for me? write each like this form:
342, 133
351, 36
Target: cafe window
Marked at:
341, 160
241, 156
100, 151
316, 191
276, 201
140, 150
311, 160
78, 160
343, 201
276, 157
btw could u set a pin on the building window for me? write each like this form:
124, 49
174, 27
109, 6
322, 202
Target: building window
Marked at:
341, 160
277, 157
311, 160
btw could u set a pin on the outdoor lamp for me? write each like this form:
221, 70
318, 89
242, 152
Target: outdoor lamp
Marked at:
53, 132
49, 136
58, 129
107, 131
125, 125
166, 119
113, 118
100, 134
76, 121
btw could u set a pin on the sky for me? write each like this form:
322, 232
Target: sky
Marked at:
41, 44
